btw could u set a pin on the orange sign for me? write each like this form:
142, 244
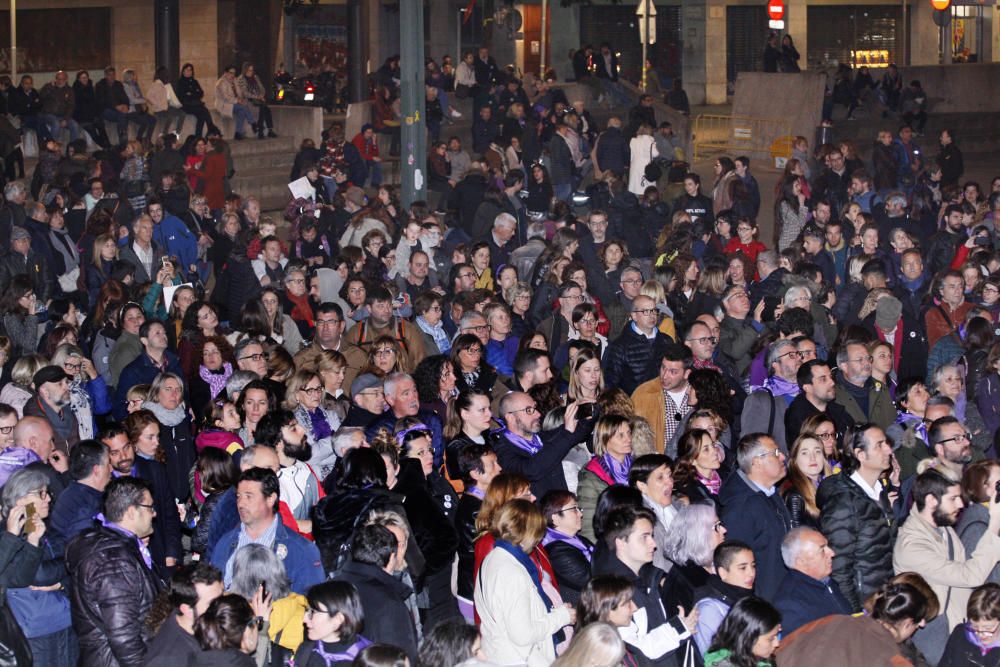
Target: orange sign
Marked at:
940, 5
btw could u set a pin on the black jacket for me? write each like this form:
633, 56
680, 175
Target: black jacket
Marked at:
613, 151
648, 597
110, 95
803, 599
571, 567
85, 108
861, 534
237, 283
171, 646
189, 91
627, 221
773, 285
632, 359
387, 620
34, 266
952, 166
960, 652
913, 302
680, 584
466, 198
941, 250
544, 469
433, 532
465, 526
166, 538
112, 590
229, 657
762, 522
913, 350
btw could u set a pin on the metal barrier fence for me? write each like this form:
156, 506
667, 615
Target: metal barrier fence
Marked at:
770, 138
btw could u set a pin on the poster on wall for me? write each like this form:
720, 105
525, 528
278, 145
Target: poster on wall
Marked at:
320, 48
42, 49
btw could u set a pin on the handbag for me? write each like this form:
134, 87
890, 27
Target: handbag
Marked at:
14, 648
652, 172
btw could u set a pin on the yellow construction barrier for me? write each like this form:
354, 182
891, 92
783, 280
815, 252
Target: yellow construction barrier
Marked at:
767, 138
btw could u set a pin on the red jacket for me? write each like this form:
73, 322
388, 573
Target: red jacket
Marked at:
368, 149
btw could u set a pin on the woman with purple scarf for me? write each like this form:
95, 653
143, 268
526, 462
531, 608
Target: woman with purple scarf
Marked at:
214, 356
569, 553
304, 397
610, 465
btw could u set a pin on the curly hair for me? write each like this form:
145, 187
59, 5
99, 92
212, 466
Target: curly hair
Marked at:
712, 392
220, 342
427, 376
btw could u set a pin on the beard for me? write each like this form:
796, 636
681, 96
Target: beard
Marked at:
301, 451
943, 519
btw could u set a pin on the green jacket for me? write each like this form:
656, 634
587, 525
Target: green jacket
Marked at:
881, 410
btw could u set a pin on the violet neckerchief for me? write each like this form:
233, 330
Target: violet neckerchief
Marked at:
330, 659
532, 446
320, 426
147, 557
476, 491
779, 386
713, 483
618, 471
553, 535
215, 380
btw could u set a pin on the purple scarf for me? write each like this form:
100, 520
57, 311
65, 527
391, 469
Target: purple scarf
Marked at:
320, 426
618, 471
713, 483
147, 558
215, 380
532, 446
553, 535
476, 492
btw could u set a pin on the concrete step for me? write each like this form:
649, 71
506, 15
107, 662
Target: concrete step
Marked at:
255, 146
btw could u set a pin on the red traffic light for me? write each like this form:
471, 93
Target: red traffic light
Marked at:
776, 9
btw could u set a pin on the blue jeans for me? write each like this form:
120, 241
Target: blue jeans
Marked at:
59, 649
53, 123
563, 191
374, 172
40, 127
242, 115
144, 121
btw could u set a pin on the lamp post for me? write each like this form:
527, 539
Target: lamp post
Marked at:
13, 40
647, 32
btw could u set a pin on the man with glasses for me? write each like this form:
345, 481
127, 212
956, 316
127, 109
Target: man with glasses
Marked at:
523, 449
156, 358
8, 420
367, 401
403, 400
474, 323
738, 331
765, 408
330, 325
462, 278
114, 582
663, 401
52, 403
753, 511
862, 397
928, 545
557, 326
384, 322
634, 357
631, 285
817, 391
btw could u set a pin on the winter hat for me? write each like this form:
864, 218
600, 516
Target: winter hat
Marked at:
887, 312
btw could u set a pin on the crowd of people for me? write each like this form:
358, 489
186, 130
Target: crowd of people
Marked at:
504, 429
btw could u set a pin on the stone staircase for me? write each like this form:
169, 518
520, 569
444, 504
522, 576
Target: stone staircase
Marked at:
262, 168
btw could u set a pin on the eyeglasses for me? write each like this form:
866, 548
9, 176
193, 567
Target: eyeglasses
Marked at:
312, 390
467, 275
631, 281
861, 360
373, 392
384, 352
253, 357
134, 401
312, 611
776, 453
587, 320
984, 632
826, 436
705, 340
645, 311
795, 353
530, 410
42, 494
151, 508
961, 437
481, 327
72, 368
6, 430
573, 508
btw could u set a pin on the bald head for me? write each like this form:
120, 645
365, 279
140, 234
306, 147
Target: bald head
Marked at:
260, 456
35, 433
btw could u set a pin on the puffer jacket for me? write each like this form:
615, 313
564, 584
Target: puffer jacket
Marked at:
631, 359
103, 564
433, 532
861, 534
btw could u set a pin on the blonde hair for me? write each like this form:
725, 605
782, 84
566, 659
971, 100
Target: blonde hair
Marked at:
597, 645
296, 383
654, 290
520, 522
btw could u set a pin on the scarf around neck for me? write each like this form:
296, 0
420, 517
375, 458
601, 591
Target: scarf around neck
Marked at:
166, 417
529, 565
618, 471
216, 380
531, 447
553, 535
713, 482
779, 386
